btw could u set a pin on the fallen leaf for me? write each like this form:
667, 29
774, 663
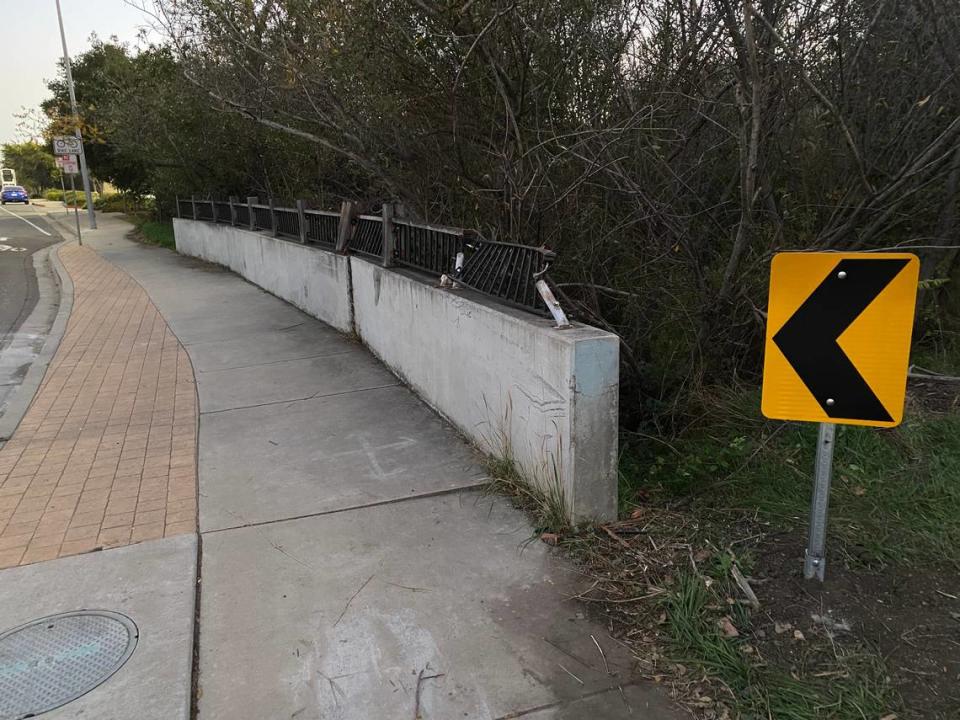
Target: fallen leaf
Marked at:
891, 716
701, 555
781, 628
637, 514
727, 626
797, 635
550, 538
859, 490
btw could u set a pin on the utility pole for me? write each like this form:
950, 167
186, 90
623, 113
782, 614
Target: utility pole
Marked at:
91, 215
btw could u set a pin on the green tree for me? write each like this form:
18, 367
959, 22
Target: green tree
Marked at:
34, 164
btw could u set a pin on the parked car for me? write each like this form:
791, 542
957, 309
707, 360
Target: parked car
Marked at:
14, 193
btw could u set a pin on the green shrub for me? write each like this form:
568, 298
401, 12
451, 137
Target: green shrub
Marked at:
125, 203
77, 198
56, 195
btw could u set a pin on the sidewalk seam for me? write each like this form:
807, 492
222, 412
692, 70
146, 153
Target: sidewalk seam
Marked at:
277, 362
483, 483
316, 395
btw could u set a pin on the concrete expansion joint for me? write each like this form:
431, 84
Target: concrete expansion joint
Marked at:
353, 508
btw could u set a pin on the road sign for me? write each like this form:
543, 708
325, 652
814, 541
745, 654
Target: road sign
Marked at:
68, 164
838, 337
67, 145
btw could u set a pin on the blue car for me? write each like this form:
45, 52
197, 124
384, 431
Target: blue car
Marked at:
14, 193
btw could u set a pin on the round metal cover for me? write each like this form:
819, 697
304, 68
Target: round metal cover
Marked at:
51, 661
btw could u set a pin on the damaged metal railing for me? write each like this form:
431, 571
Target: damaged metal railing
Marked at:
512, 273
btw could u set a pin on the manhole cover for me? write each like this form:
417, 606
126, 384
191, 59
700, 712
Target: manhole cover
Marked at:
51, 661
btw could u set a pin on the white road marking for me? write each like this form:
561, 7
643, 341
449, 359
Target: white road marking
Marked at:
10, 248
26, 221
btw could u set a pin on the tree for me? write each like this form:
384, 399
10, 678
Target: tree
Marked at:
33, 163
665, 148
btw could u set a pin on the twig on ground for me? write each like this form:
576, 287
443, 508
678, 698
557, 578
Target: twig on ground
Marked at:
571, 655
602, 656
745, 587
570, 674
420, 678
347, 606
616, 537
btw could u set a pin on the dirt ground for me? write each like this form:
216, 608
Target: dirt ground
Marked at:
911, 618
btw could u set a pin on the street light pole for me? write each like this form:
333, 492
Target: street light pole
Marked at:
91, 215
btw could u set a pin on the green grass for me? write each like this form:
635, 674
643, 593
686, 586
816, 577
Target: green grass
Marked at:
895, 500
546, 507
895, 494
156, 233
759, 690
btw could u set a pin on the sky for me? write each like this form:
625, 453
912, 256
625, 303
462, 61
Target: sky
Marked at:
30, 42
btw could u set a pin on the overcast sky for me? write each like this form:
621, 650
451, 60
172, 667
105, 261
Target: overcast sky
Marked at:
30, 42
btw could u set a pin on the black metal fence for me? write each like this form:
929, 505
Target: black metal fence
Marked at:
262, 217
288, 223
322, 227
428, 248
506, 271
368, 236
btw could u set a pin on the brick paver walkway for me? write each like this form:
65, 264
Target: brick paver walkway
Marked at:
105, 456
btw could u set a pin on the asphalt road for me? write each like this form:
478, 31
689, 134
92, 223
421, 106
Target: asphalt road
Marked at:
27, 307
19, 239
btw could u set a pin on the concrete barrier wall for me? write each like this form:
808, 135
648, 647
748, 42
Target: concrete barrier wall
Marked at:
510, 381
316, 281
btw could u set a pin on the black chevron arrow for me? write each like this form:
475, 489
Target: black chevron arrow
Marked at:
809, 338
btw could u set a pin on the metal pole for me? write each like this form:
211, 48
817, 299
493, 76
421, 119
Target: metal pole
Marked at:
63, 187
76, 131
815, 562
76, 211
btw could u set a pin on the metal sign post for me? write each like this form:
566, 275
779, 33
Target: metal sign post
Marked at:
815, 563
76, 212
63, 189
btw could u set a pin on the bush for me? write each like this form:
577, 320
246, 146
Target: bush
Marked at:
125, 203
77, 198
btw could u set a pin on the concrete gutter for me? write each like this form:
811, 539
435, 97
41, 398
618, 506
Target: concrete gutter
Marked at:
51, 286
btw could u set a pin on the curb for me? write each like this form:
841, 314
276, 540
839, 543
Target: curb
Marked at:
23, 396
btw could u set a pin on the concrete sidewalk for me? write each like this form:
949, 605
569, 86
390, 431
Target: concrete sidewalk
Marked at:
101, 468
350, 566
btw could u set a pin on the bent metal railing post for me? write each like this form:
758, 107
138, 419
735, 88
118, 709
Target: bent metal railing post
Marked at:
193, 204
347, 211
233, 210
273, 218
302, 221
506, 270
389, 239
251, 201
